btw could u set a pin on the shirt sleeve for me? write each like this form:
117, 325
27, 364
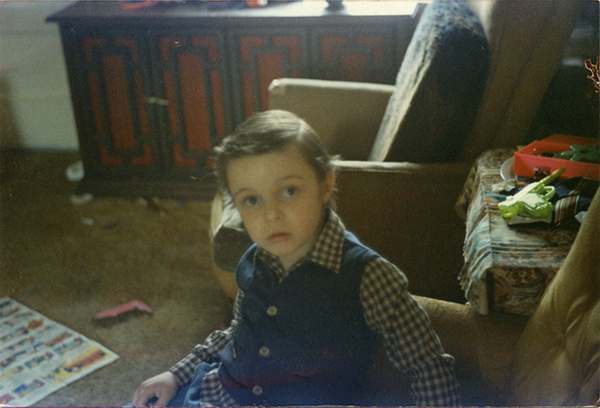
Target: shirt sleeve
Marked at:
208, 351
410, 341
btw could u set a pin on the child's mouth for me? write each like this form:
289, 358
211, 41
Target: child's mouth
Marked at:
278, 237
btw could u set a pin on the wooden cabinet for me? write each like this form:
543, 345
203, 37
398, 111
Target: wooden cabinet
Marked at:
155, 89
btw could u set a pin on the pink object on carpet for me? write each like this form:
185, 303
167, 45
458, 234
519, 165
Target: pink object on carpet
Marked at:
124, 308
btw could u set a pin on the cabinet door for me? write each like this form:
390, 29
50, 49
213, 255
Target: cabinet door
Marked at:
108, 72
258, 56
191, 77
359, 53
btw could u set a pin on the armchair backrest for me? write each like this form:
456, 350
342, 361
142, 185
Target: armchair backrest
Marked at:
438, 88
468, 82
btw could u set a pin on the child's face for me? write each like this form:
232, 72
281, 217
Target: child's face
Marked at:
281, 201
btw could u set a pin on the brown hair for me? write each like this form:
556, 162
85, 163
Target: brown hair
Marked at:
270, 131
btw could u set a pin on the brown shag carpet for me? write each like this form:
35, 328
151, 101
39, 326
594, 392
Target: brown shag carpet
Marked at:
70, 262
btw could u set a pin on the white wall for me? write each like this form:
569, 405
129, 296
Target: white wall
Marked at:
35, 104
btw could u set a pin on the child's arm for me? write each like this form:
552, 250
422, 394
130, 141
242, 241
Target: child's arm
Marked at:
159, 390
208, 351
411, 343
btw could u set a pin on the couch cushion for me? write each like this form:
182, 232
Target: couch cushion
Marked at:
438, 88
558, 359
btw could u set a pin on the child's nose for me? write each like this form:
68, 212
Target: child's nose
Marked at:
273, 211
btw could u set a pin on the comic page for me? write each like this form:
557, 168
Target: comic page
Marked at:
39, 356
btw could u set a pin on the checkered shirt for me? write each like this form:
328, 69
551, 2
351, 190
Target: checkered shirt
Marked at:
389, 309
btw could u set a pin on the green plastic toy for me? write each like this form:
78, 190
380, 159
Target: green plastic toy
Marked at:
588, 154
532, 200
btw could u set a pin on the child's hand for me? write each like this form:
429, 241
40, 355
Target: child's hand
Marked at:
156, 391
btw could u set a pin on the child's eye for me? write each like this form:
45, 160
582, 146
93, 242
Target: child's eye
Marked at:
250, 201
290, 192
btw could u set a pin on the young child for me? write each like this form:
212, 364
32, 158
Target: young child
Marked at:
312, 298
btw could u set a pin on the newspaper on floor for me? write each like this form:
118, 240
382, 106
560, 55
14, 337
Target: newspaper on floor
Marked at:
39, 356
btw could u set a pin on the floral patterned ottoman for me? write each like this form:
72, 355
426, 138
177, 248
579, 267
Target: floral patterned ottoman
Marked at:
507, 268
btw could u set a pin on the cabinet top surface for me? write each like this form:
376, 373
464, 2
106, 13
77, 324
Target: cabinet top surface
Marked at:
169, 12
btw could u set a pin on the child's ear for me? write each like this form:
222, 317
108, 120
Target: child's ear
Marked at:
328, 186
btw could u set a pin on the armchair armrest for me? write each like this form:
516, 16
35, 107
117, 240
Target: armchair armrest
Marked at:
484, 347
405, 211
346, 115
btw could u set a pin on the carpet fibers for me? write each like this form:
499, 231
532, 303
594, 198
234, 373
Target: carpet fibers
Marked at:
70, 262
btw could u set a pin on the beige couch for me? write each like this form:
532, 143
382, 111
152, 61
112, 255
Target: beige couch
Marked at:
405, 210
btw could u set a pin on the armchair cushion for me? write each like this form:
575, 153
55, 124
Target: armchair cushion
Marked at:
438, 88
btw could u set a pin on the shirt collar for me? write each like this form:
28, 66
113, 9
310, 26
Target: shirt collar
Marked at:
326, 252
